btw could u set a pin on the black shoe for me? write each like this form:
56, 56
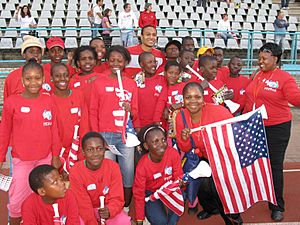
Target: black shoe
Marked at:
277, 215
205, 215
192, 211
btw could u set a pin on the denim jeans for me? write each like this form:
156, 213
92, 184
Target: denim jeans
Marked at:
127, 38
158, 214
95, 32
226, 36
279, 39
126, 161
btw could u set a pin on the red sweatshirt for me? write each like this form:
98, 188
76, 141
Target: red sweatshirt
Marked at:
106, 113
175, 94
275, 89
151, 176
152, 99
70, 111
223, 73
101, 68
13, 84
36, 212
32, 127
210, 114
147, 18
208, 91
133, 67
238, 85
88, 185
84, 84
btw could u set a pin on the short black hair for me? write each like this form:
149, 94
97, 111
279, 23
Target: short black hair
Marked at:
120, 49
219, 48
56, 65
37, 176
204, 59
173, 42
186, 38
142, 135
81, 49
273, 48
172, 63
125, 5
95, 39
143, 56
184, 51
235, 57
192, 85
145, 27
92, 134
32, 63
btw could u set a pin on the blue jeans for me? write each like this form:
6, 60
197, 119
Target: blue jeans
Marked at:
127, 38
280, 39
95, 32
158, 214
126, 161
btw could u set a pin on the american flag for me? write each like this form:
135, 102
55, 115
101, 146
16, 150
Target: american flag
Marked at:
239, 158
129, 137
170, 194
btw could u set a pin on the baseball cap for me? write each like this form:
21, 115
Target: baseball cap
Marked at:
55, 42
31, 41
204, 49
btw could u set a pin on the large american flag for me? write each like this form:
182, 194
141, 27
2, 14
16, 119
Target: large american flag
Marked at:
239, 158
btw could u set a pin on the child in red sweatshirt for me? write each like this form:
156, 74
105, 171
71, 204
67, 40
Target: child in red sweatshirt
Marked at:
71, 111
29, 124
95, 177
85, 60
152, 90
51, 201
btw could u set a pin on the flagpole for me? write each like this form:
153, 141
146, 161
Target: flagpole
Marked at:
231, 105
120, 84
245, 116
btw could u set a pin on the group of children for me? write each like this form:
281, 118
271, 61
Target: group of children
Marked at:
48, 108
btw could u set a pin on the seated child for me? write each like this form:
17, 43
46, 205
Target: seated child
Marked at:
159, 165
49, 190
94, 177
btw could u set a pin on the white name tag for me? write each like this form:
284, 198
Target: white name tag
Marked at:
74, 110
109, 89
205, 92
157, 175
77, 84
25, 109
91, 187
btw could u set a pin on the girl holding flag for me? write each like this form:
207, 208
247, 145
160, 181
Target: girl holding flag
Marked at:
72, 119
111, 100
159, 165
198, 113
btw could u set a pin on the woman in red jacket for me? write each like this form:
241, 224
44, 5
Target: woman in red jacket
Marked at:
275, 89
148, 17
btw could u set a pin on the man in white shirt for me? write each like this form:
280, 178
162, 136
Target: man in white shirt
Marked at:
127, 21
97, 11
224, 25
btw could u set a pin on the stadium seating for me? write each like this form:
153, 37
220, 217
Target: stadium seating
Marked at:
251, 16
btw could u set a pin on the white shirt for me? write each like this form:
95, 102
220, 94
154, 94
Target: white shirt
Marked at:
127, 20
25, 22
224, 25
97, 9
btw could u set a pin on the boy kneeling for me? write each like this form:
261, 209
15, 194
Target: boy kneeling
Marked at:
51, 200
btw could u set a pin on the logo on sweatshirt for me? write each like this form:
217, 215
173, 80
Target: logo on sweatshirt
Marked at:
158, 89
105, 190
168, 170
271, 85
47, 116
46, 87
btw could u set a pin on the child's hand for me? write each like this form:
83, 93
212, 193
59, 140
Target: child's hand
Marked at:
165, 114
104, 213
204, 84
228, 95
182, 183
127, 107
176, 106
185, 133
56, 162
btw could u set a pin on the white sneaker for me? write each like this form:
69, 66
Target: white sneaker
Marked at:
126, 209
146, 222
